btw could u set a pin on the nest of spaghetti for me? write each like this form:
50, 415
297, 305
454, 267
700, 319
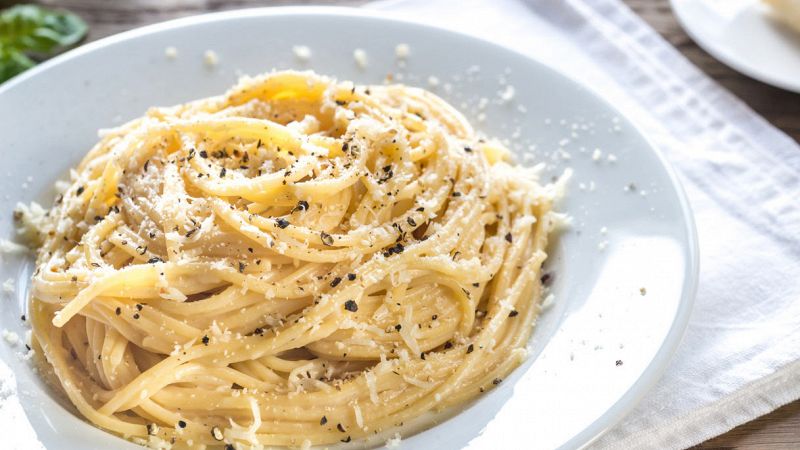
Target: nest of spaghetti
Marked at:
299, 261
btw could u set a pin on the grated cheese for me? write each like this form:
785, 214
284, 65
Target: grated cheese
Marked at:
401, 51
210, 58
302, 52
361, 57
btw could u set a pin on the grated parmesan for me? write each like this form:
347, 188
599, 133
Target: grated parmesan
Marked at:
302, 52
210, 58
401, 51
171, 52
361, 57
8, 286
394, 441
11, 337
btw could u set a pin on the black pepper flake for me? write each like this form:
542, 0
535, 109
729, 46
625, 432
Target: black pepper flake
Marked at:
618, 363
323, 420
139, 306
191, 232
222, 173
136, 316
456, 194
205, 340
182, 424
80, 190
259, 331
241, 267
340, 427
434, 317
513, 313
476, 285
229, 447
470, 348
422, 356
345, 440
351, 305
302, 205
398, 327
146, 165
327, 239
411, 221
448, 345
335, 282
203, 154
282, 223
351, 276
397, 248
420, 209
341, 102
142, 250
508, 237
497, 381
468, 149
22, 317
154, 260
118, 311
545, 279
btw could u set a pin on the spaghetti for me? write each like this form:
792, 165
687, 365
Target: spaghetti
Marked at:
299, 261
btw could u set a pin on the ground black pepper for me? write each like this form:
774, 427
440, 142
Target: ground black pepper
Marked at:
351, 305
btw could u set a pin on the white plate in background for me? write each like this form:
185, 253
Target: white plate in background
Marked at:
744, 35
594, 353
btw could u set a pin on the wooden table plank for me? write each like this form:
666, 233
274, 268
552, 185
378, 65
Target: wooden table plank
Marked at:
777, 430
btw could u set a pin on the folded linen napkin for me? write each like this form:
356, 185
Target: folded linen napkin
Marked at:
740, 356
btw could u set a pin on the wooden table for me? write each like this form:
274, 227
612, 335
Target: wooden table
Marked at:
777, 430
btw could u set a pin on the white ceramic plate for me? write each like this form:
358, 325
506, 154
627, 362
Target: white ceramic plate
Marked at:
595, 352
744, 35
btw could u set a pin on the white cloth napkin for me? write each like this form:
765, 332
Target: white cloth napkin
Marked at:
740, 356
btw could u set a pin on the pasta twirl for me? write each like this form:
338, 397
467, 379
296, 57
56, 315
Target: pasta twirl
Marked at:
299, 261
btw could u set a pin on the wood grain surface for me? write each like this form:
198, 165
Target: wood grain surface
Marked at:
778, 430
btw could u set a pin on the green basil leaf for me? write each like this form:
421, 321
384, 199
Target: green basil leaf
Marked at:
12, 63
30, 30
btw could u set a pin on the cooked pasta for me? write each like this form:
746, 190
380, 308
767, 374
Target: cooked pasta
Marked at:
299, 261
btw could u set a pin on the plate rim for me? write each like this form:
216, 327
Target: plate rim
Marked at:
714, 49
656, 367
